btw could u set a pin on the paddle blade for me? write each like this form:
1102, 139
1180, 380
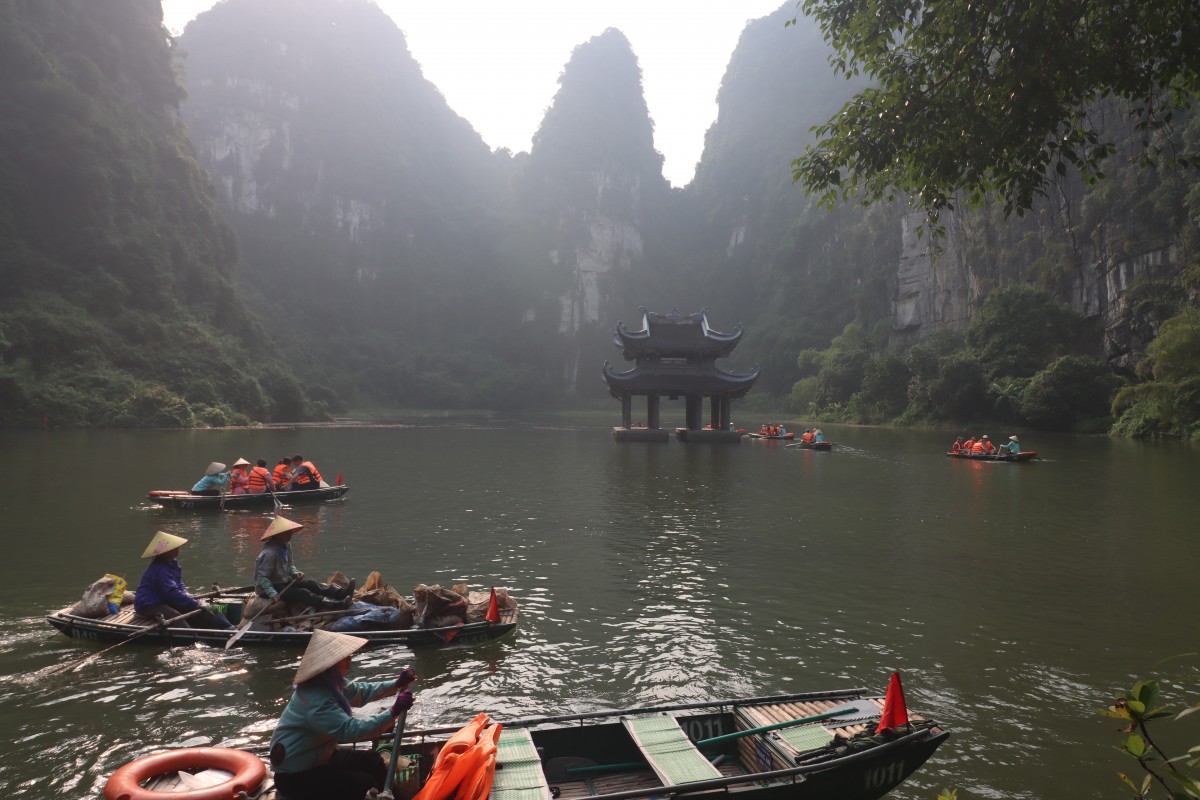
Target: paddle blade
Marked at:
237, 635
895, 711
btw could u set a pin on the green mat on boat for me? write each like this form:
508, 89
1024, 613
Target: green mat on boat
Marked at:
668, 749
803, 738
519, 773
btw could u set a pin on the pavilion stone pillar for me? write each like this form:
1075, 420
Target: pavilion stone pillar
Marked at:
627, 410
694, 405
726, 412
653, 411
714, 412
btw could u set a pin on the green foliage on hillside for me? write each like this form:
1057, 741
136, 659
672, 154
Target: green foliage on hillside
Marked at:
1012, 364
119, 306
994, 100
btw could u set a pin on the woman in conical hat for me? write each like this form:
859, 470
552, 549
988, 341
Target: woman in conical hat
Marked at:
275, 574
162, 592
239, 477
305, 756
213, 481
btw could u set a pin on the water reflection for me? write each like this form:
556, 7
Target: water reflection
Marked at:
646, 573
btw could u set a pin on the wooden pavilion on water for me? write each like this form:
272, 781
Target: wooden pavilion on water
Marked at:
676, 357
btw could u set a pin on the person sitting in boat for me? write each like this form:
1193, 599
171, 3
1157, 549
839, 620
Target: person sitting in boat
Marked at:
282, 474
762, 429
807, 436
276, 575
957, 446
818, 435
304, 474
259, 480
162, 594
1011, 447
239, 477
214, 480
437, 607
782, 429
304, 752
969, 445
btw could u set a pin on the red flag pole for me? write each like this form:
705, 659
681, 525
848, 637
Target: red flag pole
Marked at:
895, 711
493, 612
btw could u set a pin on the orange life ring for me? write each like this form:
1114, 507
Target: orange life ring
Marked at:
248, 770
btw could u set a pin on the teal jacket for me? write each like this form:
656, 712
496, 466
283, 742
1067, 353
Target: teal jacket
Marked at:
1011, 447
313, 724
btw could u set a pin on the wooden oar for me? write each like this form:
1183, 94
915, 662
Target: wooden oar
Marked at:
321, 615
859, 708
141, 632
242, 630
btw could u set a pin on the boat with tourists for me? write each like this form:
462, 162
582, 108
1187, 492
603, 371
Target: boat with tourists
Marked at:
785, 436
844, 744
1023, 455
826, 446
381, 626
187, 501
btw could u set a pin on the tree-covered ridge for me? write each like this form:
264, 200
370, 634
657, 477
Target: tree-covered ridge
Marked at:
119, 305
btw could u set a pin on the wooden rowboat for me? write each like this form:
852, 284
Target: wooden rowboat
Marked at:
127, 624
786, 436
1024, 455
813, 445
188, 501
683, 750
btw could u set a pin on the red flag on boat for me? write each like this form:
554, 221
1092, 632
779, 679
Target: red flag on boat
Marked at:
493, 612
895, 712
339, 480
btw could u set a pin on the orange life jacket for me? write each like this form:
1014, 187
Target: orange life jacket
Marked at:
282, 475
966, 446
312, 477
807, 437
259, 478
978, 447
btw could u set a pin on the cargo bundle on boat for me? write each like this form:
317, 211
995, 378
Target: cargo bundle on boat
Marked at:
813, 746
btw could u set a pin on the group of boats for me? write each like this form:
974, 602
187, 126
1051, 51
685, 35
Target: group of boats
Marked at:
809, 746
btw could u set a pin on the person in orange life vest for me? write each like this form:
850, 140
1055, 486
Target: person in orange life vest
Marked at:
282, 474
304, 474
762, 429
239, 476
807, 436
988, 447
978, 448
259, 480
304, 752
968, 445
958, 443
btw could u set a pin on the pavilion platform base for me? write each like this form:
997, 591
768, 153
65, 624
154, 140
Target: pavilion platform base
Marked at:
708, 436
640, 434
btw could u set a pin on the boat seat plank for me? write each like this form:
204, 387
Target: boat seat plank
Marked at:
668, 750
519, 774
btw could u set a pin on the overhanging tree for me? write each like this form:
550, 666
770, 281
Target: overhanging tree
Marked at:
972, 97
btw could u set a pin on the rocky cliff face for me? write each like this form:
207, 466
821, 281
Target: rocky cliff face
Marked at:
590, 187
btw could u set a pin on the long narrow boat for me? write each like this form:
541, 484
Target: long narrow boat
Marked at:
813, 746
812, 445
127, 624
1024, 455
785, 437
188, 501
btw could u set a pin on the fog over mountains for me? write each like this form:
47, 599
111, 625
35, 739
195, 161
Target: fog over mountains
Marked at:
316, 229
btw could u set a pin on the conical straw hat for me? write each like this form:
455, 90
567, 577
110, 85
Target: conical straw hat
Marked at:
162, 542
241, 462
1013, 439
325, 649
280, 525
214, 468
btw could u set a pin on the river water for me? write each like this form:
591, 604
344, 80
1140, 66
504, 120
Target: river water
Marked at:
1014, 599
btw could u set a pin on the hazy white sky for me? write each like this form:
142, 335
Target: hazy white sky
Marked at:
497, 63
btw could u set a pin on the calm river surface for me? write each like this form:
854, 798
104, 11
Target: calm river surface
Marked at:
1015, 599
